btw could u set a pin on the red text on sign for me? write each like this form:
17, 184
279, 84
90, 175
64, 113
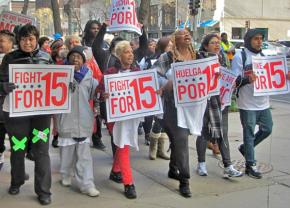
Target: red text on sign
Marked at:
37, 98
269, 79
193, 91
130, 103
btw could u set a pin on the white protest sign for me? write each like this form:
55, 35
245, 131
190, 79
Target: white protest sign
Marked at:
123, 17
194, 81
132, 95
271, 74
40, 89
228, 79
8, 20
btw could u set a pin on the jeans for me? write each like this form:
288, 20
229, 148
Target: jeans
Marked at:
249, 120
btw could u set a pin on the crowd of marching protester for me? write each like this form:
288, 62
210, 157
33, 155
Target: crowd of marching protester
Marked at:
92, 57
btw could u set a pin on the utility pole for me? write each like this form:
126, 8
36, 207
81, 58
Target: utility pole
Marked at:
193, 6
68, 10
56, 16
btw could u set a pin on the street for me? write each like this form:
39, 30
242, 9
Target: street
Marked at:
153, 187
281, 98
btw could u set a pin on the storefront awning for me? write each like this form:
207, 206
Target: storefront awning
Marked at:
208, 23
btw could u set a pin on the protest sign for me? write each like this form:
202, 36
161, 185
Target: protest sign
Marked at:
8, 20
132, 95
123, 17
40, 89
228, 79
270, 74
194, 81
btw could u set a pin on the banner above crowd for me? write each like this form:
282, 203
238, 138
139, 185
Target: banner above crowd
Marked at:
9, 20
123, 17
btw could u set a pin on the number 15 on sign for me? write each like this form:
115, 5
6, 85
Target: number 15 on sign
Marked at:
132, 95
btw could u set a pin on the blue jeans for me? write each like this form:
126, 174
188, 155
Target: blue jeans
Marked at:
249, 120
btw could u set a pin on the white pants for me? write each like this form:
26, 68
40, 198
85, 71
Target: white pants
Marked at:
77, 158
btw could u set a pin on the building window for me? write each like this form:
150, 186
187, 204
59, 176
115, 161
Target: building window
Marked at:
153, 17
238, 32
153, 35
168, 17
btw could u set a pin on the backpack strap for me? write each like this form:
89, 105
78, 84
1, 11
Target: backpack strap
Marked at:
244, 57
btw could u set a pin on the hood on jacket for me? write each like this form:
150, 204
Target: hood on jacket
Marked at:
248, 37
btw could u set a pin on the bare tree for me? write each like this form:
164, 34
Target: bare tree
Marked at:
25, 7
56, 16
144, 11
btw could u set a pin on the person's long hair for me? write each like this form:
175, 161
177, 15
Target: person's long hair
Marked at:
87, 36
161, 45
176, 53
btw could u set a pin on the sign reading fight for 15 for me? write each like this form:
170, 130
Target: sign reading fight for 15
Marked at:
132, 95
40, 89
270, 74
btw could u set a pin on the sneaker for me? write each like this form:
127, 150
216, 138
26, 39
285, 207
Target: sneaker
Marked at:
98, 144
66, 181
241, 150
253, 172
201, 169
93, 192
1, 160
232, 172
130, 191
116, 176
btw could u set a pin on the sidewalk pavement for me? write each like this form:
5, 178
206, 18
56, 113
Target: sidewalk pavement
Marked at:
153, 187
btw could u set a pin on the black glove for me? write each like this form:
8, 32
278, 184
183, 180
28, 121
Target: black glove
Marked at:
72, 86
8, 87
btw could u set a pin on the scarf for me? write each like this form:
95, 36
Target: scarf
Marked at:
215, 117
79, 75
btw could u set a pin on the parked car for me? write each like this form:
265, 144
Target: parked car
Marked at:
274, 48
269, 48
287, 44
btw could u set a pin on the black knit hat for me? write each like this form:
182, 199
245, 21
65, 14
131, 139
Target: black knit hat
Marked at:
78, 49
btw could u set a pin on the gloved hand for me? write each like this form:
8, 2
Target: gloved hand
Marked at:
72, 86
8, 87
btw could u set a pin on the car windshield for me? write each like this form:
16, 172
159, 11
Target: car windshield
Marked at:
285, 43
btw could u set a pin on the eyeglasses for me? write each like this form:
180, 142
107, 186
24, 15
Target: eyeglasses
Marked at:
214, 42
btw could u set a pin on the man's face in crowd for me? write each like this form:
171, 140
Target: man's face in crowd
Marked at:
256, 41
94, 30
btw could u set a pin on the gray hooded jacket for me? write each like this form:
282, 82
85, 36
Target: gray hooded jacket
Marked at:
79, 123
